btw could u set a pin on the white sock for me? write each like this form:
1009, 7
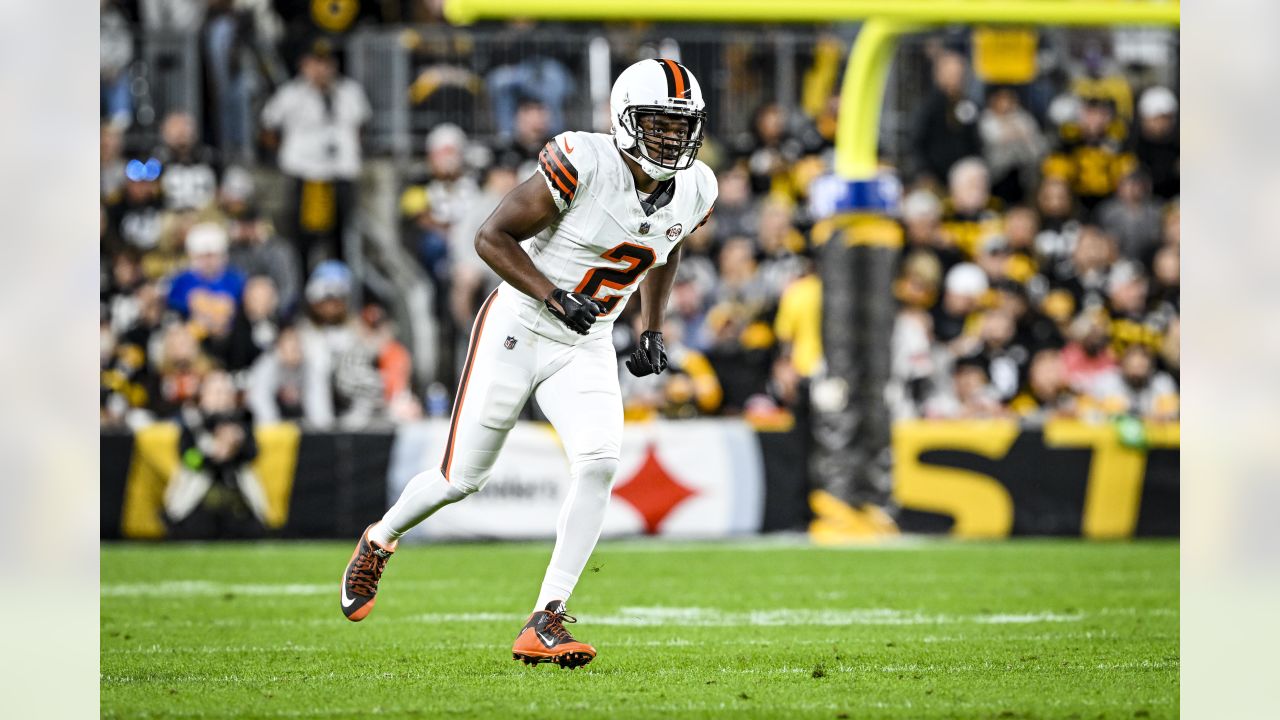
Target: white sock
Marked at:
578, 528
426, 493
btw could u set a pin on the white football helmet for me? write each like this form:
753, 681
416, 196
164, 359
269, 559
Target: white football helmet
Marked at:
658, 116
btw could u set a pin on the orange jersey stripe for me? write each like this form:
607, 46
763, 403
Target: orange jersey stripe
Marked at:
558, 156
555, 176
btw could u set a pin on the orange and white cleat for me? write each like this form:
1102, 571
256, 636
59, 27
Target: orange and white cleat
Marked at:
360, 579
544, 639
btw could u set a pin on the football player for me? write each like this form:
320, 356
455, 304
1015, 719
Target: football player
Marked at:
603, 216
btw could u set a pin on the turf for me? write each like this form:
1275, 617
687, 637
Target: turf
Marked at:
1025, 629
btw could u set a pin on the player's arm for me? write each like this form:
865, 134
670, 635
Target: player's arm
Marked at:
524, 212
656, 288
650, 358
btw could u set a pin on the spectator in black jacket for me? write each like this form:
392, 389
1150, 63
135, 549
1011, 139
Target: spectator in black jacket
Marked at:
214, 493
945, 128
1157, 145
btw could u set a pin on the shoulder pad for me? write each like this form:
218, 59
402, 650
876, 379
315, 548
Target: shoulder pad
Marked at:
567, 162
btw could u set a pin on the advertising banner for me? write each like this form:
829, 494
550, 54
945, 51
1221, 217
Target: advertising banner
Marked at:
690, 479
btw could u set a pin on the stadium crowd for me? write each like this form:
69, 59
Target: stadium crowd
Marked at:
1039, 274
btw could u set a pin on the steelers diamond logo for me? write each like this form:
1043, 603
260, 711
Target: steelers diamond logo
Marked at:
653, 491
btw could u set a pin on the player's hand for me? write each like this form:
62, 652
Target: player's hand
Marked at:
575, 310
651, 357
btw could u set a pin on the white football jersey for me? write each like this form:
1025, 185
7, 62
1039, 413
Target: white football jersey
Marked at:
603, 244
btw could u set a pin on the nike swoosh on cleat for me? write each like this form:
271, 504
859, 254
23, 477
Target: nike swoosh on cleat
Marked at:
346, 601
546, 639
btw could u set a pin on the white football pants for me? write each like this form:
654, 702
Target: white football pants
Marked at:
576, 387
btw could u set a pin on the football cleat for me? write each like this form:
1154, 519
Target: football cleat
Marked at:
360, 580
545, 639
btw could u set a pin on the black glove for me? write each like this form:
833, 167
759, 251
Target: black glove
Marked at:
575, 310
651, 357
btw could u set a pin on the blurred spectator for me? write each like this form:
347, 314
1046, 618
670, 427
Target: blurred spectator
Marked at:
122, 377
993, 257
530, 132
1084, 274
119, 290
741, 340
255, 328
229, 69
1090, 154
945, 127
471, 278
736, 213
970, 215
922, 222
319, 115
137, 216
1132, 217
1131, 324
968, 396
256, 249
343, 386
1138, 388
1099, 78
190, 174
115, 104
392, 361
1021, 226
1012, 145
214, 493
767, 148
141, 339
209, 291
1047, 393
179, 365
915, 357
536, 76
1059, 222
779, 244
963, 291
687, 304
798, 323
741, 291
1005, 360
1157, 145
1087, 357
276, 384
444, 201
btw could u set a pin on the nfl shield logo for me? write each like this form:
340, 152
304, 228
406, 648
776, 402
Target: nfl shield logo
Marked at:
644, 228
673, 232
510, 343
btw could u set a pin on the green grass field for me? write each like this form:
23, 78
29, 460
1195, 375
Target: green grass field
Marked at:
1024, 629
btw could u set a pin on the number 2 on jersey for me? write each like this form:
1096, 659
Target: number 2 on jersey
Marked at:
637, 257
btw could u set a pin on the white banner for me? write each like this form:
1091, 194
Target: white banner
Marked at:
690, 478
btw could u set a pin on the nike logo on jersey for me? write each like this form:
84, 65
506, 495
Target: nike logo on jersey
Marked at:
567, 147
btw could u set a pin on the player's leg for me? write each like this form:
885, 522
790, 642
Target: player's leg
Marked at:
496, 383
583, 402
